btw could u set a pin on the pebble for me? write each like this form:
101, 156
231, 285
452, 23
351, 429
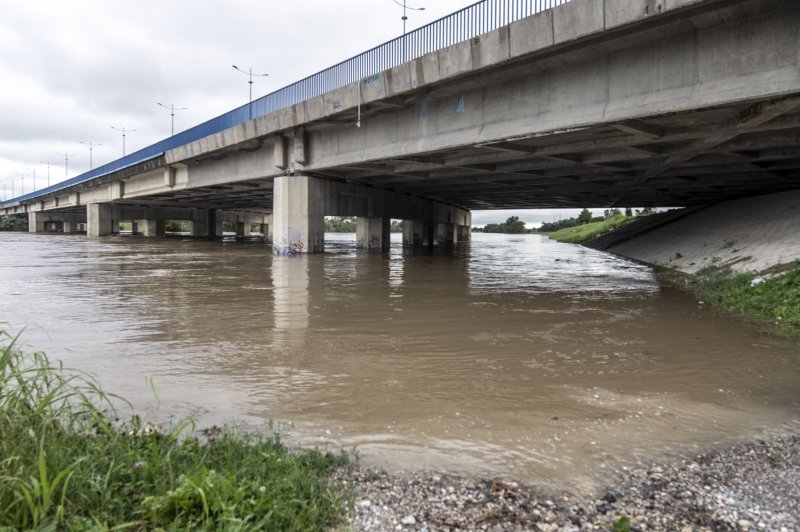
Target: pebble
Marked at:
409, 520
752, 486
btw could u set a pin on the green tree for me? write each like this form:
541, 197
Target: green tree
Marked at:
585, 216
13, 223
340, 224
514, 225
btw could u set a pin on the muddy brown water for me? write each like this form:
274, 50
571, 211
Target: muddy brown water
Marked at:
509, 356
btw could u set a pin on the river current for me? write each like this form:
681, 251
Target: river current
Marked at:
510, 356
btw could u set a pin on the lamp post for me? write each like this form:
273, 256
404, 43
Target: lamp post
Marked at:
405, 18
172, 110
48, 171
90, 151
123, 136
249, 72
66, 163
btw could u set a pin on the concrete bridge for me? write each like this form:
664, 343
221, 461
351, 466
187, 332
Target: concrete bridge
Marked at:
604, 103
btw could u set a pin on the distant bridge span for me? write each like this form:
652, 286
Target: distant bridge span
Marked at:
592, 103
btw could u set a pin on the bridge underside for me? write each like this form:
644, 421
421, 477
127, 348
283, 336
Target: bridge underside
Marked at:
684, 159
706, 156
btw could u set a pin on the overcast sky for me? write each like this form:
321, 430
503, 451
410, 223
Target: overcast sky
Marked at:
71, 70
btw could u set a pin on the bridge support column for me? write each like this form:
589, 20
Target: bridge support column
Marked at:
68, 226
214, 224
298, 215
36, 222
372, 233
243, 229
98, 220
445, 233
200, 219
152, 227
413, 233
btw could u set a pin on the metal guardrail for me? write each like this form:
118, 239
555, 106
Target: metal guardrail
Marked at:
469, 22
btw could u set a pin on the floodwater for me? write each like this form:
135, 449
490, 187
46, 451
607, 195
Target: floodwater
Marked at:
509, 356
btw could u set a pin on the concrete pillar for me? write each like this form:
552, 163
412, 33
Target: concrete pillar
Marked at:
429, 230
373, 233
36, 222
297, 214
134, 227
151, 227
214, 228
445, 233
98, 220
413, 233
243, 230
199, 222
69, 226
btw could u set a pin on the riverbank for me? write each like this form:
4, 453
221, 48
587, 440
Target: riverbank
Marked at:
749, 234
752, 486
68, 462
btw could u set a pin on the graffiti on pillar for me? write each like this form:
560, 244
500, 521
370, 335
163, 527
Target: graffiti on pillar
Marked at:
290, 246
374, 242
360, 243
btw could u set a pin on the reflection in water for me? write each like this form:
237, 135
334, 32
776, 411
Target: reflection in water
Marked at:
512, 355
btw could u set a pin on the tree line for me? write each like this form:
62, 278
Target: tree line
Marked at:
514, 225
347, 224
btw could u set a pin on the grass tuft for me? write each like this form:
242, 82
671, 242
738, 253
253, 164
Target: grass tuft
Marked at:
583, 233
774, 300
66, 463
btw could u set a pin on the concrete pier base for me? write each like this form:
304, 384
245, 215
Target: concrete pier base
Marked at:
200, 222
373, 233
98, 220
243, 229
152, 228
55, 222
298, 215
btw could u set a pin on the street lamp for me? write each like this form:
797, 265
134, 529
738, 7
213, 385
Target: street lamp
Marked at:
123, 136
90, 150
249, 73
405, 18
172, 109
48, 171
66, 163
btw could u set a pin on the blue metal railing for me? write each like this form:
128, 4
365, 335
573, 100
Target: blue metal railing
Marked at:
469, 22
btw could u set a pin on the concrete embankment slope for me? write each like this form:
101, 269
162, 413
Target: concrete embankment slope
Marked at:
749, 234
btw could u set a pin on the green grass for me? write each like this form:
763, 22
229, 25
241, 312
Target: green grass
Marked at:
66, 462
585, 232
775, 301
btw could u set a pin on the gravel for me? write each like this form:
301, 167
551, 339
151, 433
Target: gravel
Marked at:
753, 486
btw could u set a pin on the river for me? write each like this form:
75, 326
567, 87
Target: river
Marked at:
509, 356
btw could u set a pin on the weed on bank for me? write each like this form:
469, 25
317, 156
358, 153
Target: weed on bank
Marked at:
583, 233
66, 462
774, 300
